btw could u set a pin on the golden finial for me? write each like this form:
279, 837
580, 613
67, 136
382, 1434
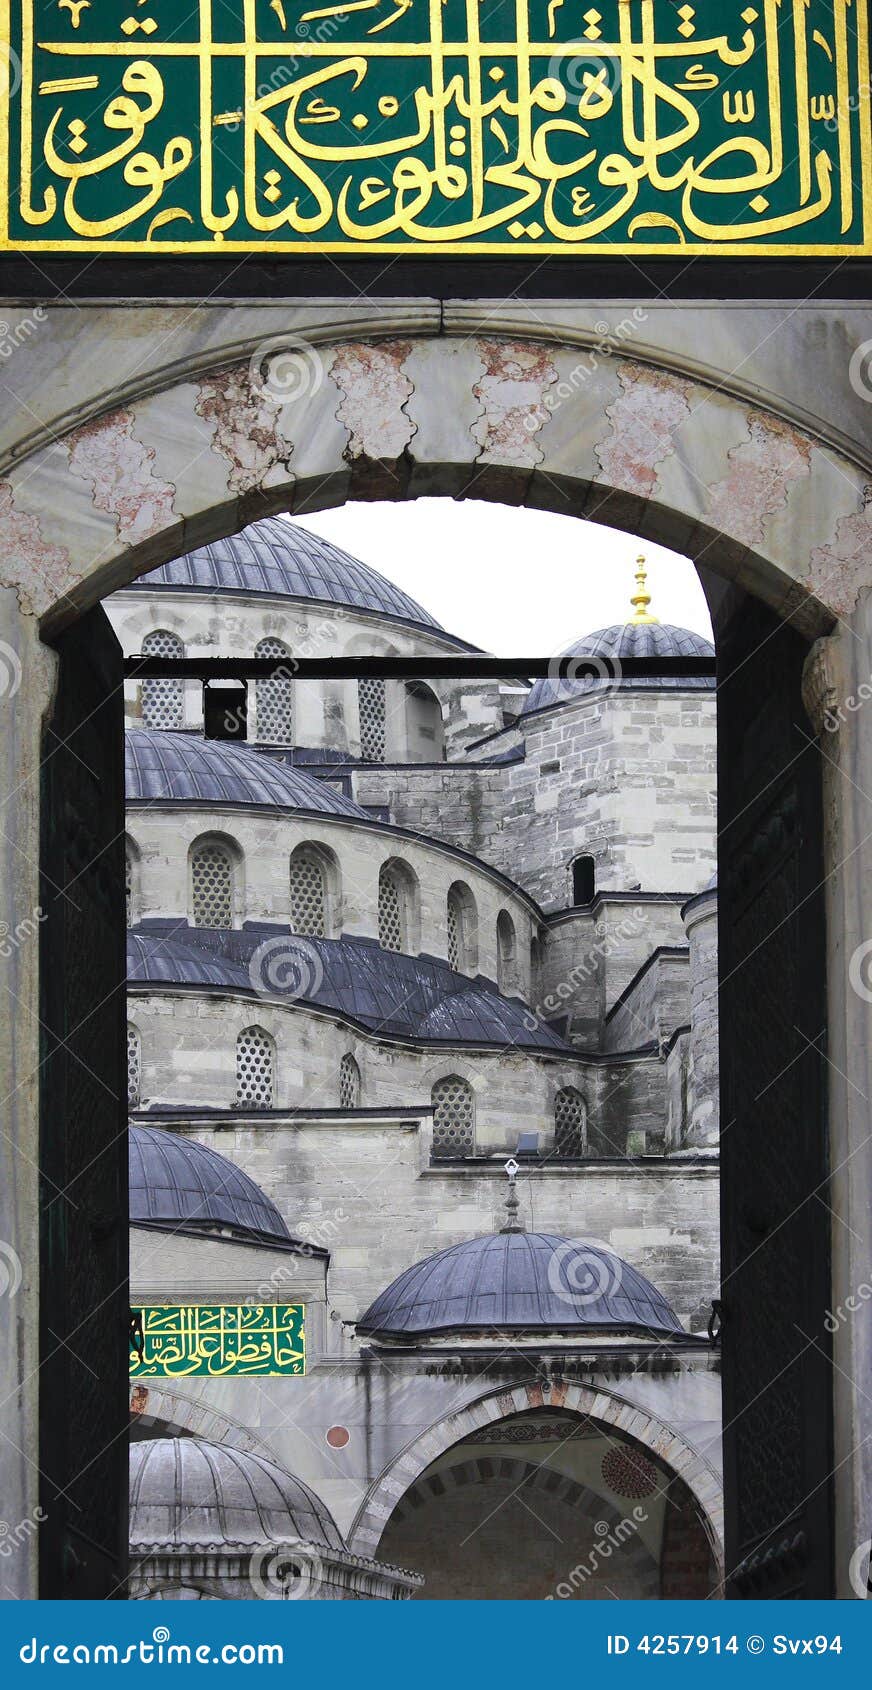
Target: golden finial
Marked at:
641, 598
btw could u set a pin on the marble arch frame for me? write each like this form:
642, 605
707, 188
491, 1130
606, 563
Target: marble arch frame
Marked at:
606, 1407
760, 476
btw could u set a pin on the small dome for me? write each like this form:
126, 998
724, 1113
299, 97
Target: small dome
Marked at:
520, 1281
182, 768
608, 647
275, 556
179, 1185
186, 1492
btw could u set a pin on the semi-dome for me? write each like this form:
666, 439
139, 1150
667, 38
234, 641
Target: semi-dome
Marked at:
182, 768
277, 557
186, 1492
386, 991
181, 1186
520, 1281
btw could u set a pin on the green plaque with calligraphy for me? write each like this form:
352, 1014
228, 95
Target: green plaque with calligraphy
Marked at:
217, 1341
438, 126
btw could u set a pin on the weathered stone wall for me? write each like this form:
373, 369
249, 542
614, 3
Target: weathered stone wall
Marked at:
701, 923
655, 1005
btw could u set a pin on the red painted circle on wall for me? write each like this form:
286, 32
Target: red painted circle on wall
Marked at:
338, 1437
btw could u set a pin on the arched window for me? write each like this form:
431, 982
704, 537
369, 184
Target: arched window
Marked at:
134, 1067
163, 701
373, 719
424, 736
507, 953
570, 1123
349, 1083
131, 882
583, 880
211, 884
255, 1068
462, 921
453, 1117
397, 890
275, 698
308, 893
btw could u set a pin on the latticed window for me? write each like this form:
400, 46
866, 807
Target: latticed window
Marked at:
275, 698
454, 934
391, 911
308, 895
453, 1117
163, 701
212, 885
373, 714
254, 1068
570, 1123
134, 1068
507, 951
349, 1083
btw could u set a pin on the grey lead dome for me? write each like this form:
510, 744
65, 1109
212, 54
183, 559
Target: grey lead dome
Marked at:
185, 1491
520, 1281
184, 769
177, 1184
275, 556
610, 646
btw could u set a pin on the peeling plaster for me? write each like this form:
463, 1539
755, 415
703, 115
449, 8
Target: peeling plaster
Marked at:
644, 418
840, 570
120, 472
761, 470
374, 393
511, 393
25, 553
244, 415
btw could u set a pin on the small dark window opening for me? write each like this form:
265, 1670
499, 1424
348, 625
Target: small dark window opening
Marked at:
225, 710
583, 880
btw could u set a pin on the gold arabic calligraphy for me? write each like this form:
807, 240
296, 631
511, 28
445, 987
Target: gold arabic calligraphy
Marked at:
259, 1342
444, 125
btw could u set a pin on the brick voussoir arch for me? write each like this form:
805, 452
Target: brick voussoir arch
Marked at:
183, 1416
638, 445
603, 1406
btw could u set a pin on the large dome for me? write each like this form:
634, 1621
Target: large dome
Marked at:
275, 556
608, 647
187, 1492
182, 768
520, 1281
179, 1185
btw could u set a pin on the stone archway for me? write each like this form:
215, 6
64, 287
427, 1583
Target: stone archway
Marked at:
180, 1416
605, 1407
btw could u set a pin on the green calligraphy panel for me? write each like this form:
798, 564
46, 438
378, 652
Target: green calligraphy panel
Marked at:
206, 1341
438, 126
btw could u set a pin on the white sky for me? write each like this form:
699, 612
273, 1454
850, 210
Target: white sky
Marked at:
515, 582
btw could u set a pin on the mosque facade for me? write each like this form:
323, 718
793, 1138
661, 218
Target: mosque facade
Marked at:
422, 1043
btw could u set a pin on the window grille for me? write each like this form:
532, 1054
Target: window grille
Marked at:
134, 1068
391, 923
372, 711
506, 953
307, 895
275, 698
453, 1117
349, 1083
128, 884
254, 1068
212, 886
454, 926
163, 701
570, 1134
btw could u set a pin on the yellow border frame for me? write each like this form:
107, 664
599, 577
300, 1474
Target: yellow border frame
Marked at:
458, 249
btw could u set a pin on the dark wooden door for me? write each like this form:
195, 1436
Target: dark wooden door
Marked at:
777, 1377
83, 1152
